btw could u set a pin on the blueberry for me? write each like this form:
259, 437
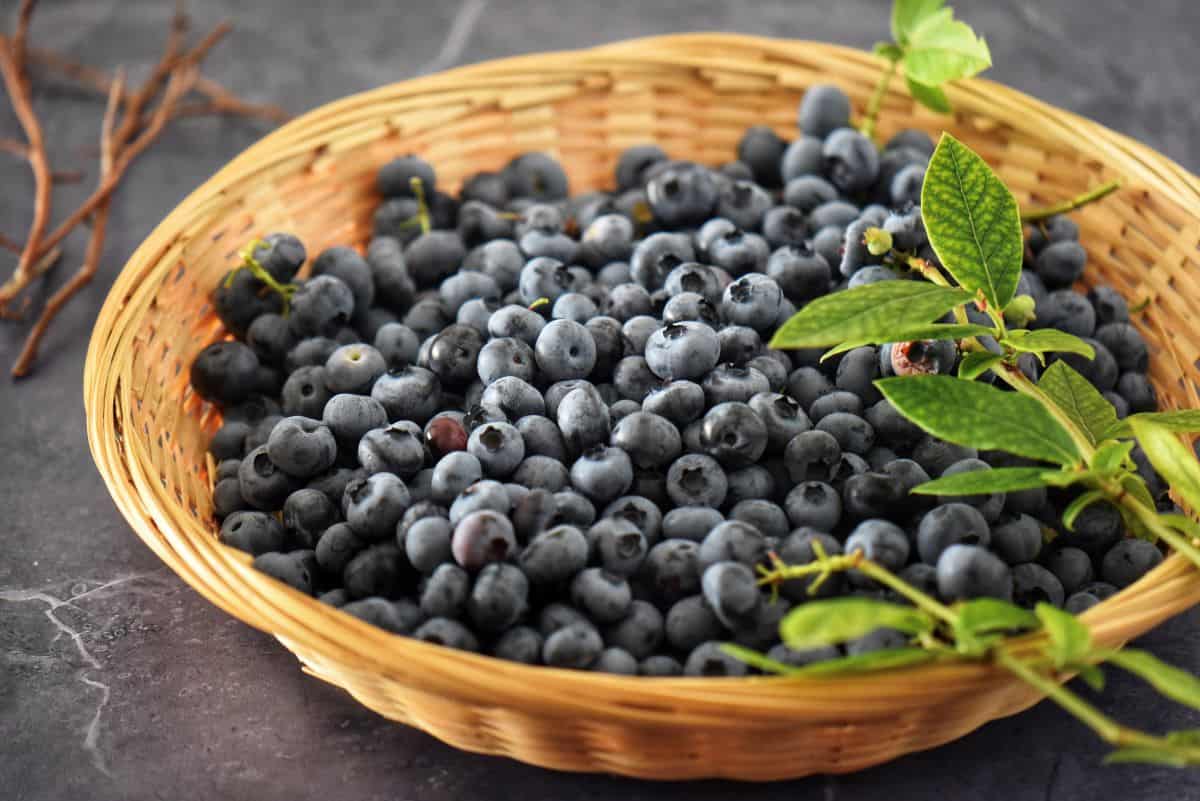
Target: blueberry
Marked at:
634, 379
905, 186
240, 298
650, 441
833, 402
375, 504
229, 441
555, 555
870, 275
935, 455
542, 437
1080, 602
733, 434
498, 597
605, 596
810, 656
969, 571
739, 252
376, 570
1126, 345
1128, 561
426, 317
352, 269
536, 176
613, 274
434, 256
263, 484
812, 455
253, 532
1097, 528
573, 509
733, 383
602, 473
633, 163
516, 322
766, 516
1067, 310
285, 567
696, 480
1034, 584
690, 522
881, 639
499, 448
680, 402
682, 194
1071, 566
882, 542
427, 543
307, 513
851, 160
445, 433
761, 149
710, 659
445, 591
823, 109
784, 226
482, 537
480, 495
872, 494
447, 632
576, 645
321, 306
1109, 305
739, 344
271, 338
350, 416
751, 483
301, 446
583, 419
798, 548
542, 472
1060, 264
731, 590
453, 473
514, 397
395, 178
660, 665
802, 159
1138, 392
565, 350
744, 203
225, 372
519, 644
948, 525
853, 434
989, 505
690, 307
800, 273
1017, 539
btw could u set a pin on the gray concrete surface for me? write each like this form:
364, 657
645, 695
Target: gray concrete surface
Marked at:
117, 681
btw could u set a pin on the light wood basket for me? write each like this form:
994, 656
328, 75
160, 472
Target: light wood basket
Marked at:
694, 95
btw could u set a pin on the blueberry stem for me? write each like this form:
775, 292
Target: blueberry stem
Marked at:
876, 101
418, 188
1090, 196
285, 291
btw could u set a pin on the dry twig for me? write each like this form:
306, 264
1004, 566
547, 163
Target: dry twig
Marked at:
134, 118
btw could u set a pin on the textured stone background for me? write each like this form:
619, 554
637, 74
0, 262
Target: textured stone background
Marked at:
119, 682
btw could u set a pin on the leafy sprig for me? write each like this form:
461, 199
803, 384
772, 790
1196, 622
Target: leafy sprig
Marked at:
1061, 421
934, 48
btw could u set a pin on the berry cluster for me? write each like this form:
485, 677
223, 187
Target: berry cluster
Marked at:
549, 429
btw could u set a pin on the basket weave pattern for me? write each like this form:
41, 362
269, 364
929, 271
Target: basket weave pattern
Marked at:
694, 95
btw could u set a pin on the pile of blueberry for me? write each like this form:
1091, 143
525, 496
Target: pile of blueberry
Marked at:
548, 428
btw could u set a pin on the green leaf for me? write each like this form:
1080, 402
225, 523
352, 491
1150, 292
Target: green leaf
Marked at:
972, 222
1065, 478
978, 482
931, 97
818, 623
761, 661
1135, 485
887, 50
1182, 421
941, 48
1178, 685
871, 661
980, 416
1092, 674
988, 615
1146, 756
1069, 641
1171, 458
1182, 524
1047, 340
1081, 401
1112, 455
871, 313
976, 363
907, 15
1075, 507
914, 333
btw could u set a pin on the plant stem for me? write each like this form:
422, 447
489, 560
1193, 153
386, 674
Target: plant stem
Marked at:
1090, 196
1016, 379
876, 101
918, 598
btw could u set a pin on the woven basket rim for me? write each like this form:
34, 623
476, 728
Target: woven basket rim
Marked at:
563, 691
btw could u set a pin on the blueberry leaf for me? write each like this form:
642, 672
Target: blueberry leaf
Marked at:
918, 332
868, 662
976, 363
988, 615
870, 313
1092, 674
1047, 340
1112, 455
907, 15
931, 97
1081, 401
976, 482
1068, 640
1184, 421
888, 50
972, 222
941, 48
979, 416
838, 620
1171, 458
757, 660
1178, 685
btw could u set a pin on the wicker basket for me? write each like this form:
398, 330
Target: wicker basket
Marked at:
694, 95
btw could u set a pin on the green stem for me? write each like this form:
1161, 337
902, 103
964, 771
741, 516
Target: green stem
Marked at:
919, 599
1090, 196
418, 188
1012, 375
876, 101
